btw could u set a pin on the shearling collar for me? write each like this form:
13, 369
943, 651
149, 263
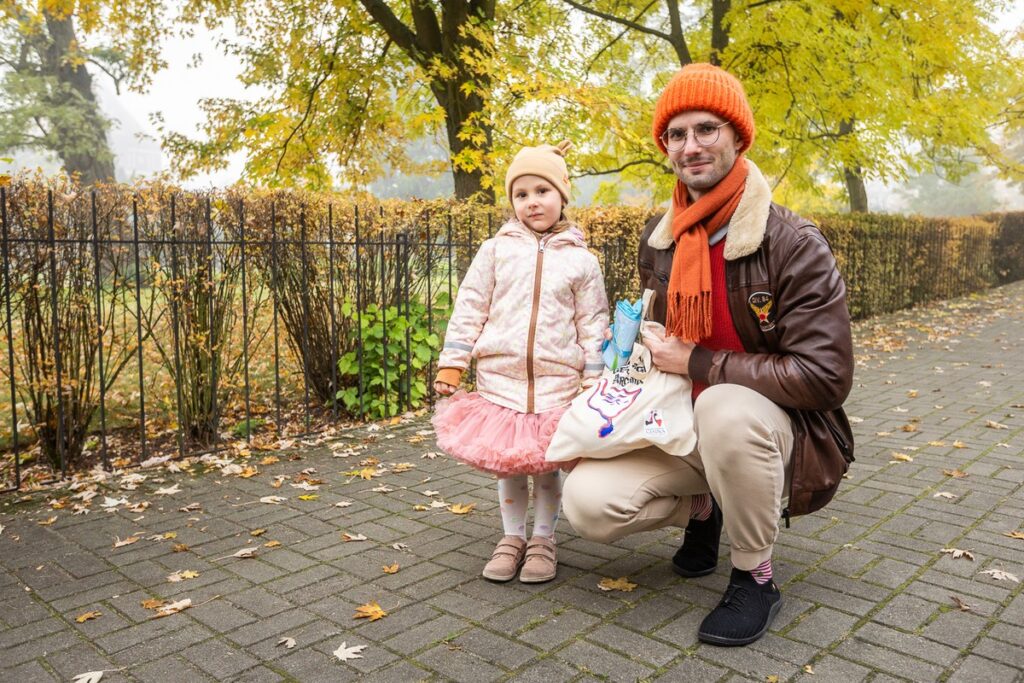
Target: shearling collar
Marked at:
746, 229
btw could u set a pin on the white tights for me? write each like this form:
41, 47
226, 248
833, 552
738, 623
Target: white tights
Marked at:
513, 494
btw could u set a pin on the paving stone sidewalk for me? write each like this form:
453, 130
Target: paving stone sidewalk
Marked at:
870, 592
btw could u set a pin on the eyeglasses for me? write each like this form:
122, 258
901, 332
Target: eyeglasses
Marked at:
704, 134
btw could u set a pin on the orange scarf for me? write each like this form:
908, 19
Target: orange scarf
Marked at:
689, 286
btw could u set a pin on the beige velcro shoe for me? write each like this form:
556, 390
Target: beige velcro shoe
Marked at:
506, 559
541, 563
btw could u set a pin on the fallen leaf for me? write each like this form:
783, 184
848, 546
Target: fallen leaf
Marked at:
438, 504
431, 493
956, 474
365, 473
109, 502
400, 467
272, 500
343, 503
173, 608
945, 494
901, 457
371, 611
620, 584
51, 520
269, 460
179, 548
153, 603
912, 393
909, 427
257, 532
288, 643
959, 444
169, 491
249, 472
808, 669
118, 543
181, 575
390, 568
191, 507
245, 553
309, 496
936, 443
430, 455
88, 677
347, 537
420, 508
957, 553
992, 424
271, 544
1019, 535
771, 679
88, 616
964, 607
345, 653
305, 486
1000, 575
461, 509
399, 546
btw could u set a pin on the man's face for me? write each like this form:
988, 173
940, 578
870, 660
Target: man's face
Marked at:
701, 168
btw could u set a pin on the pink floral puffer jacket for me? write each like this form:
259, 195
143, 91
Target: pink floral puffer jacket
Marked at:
532, 310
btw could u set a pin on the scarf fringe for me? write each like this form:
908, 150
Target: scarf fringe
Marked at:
691, 316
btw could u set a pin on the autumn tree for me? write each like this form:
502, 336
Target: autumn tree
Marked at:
48, 100
849, 88
351, 85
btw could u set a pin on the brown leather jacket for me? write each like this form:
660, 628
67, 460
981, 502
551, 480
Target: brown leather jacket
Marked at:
788, 304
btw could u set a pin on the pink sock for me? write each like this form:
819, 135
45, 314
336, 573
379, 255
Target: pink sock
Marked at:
700, 507
762, 573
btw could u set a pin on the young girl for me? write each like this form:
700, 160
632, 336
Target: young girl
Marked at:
532, 310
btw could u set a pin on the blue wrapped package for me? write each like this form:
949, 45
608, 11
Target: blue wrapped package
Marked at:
625, 328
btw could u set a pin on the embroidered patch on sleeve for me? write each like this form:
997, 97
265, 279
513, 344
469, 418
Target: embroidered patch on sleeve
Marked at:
762, 305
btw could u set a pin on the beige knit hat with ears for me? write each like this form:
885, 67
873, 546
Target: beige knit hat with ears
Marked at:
546, 161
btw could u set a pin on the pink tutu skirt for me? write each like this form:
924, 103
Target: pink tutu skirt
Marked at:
493, 438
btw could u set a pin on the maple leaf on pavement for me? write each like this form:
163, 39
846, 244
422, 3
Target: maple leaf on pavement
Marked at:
390, 568
619, 584
1019, 535
462, 509
288, 643
957, 553
88, 616
371, 611
169, 490
1000, 575
345, 653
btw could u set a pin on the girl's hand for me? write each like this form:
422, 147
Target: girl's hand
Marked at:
444, 388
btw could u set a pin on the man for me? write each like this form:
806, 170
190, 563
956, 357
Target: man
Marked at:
754, 312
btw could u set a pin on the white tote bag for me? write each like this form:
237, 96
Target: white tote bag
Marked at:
634, 407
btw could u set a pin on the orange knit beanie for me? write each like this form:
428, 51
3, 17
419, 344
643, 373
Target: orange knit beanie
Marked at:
546, 161
709, 88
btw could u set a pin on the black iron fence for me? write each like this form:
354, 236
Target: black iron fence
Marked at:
145, 323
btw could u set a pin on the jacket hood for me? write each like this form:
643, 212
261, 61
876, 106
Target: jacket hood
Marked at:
746, 229
571, 237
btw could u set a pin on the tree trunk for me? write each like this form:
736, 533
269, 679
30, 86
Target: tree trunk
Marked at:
856, 190
853, 175
81, 145
719, 35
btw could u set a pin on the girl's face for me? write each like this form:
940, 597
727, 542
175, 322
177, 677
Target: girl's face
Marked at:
537, 203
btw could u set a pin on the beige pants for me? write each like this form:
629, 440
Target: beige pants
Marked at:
742, 457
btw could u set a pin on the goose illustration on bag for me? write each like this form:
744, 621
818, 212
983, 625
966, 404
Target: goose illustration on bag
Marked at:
609, 402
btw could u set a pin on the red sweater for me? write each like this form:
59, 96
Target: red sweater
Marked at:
723, 332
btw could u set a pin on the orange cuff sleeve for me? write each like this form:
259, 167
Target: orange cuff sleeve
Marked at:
450, 376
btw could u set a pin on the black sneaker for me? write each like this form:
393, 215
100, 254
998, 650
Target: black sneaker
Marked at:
698, 556
744, 613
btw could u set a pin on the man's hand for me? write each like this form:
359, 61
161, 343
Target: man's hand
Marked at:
670, 354
444, 388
